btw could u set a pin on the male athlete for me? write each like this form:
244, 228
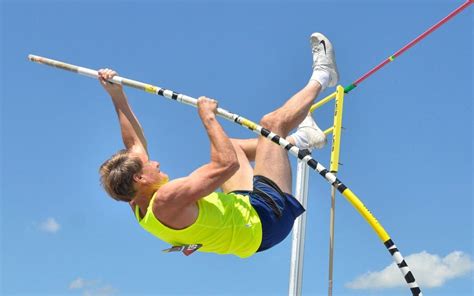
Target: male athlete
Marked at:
255, 209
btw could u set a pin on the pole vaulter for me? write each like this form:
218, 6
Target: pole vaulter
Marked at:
292, 149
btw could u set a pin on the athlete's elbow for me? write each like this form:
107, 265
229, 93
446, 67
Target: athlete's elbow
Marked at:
227, 161
233, 161
229, 167
234, 166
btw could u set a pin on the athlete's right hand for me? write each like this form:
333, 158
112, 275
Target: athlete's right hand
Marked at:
111, 88
206, 107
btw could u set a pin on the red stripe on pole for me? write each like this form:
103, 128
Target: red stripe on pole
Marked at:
371, 72
433, 28
415, 41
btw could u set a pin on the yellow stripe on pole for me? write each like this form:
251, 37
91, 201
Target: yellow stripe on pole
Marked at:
249, 124
151, 88
360, 207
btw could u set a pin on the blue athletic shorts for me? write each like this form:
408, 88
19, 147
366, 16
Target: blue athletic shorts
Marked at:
277, 210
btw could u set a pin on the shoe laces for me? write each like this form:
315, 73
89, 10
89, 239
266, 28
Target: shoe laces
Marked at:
317, 48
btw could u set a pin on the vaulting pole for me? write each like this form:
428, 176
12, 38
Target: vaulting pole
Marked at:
292, 149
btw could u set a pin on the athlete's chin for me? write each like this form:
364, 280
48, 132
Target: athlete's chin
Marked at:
163, 180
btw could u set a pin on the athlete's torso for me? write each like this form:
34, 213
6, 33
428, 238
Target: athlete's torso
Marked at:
225, 224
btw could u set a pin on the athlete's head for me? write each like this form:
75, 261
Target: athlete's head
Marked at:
125, 173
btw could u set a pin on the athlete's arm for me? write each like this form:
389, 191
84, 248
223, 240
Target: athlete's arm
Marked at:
132, 132
206, 179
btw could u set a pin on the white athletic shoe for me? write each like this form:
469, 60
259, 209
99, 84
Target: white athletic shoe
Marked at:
309, 135
324, 57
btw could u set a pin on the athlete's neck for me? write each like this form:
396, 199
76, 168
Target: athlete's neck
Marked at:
142, 200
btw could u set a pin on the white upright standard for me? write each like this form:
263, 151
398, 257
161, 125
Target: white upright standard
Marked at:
299, 229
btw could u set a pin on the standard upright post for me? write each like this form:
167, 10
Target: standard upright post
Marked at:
299, 230
336, 147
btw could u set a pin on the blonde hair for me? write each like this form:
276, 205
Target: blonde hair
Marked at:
116, 175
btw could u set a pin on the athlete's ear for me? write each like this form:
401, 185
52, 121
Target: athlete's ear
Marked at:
138, 177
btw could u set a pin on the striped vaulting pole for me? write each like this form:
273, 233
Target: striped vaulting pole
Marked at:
391, 58
292, 149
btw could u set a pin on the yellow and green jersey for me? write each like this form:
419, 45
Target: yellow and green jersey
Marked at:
226, 224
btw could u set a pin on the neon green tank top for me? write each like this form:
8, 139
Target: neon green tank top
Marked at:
226, 224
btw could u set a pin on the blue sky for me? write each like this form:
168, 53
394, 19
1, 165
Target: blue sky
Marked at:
406, 148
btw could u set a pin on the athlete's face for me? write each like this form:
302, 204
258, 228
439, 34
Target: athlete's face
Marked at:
151, 175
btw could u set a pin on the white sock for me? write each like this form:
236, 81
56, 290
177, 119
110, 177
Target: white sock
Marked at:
301, 140
322, 77
309, 135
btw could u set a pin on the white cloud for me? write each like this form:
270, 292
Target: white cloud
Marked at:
78, 283
106, 290
50, 225
92, 287
430, 271
81, 283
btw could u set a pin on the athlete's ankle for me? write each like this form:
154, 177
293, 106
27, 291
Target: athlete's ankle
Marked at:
322, 77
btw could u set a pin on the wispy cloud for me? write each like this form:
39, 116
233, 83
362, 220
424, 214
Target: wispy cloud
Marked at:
92, 287
81, 283
49, 225
106, 290
430, 271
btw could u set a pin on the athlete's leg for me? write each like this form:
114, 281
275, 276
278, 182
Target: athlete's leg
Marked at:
308, 134
242, 179
249, 146
271, 160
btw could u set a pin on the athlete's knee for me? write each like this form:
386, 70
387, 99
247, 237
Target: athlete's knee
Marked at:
275, 122
270, 121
